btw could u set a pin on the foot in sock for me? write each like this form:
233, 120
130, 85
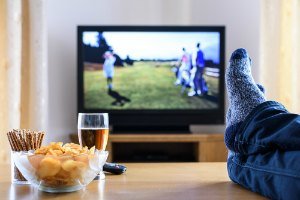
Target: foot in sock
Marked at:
243, 93
228, 115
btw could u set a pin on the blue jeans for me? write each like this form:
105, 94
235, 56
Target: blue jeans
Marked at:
265, 152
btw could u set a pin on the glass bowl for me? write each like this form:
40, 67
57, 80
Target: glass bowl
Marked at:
64, 173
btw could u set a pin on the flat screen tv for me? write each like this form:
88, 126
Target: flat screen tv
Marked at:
152, 77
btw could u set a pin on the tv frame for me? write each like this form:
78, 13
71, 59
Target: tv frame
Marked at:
149, 119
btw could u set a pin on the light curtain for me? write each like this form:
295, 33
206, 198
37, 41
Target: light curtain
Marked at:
23, 68
280, 51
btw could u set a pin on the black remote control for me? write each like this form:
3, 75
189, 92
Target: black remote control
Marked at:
114, 168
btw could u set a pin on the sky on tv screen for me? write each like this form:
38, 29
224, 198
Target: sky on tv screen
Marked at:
158, 45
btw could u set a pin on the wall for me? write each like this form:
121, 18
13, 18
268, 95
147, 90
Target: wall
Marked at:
241, 19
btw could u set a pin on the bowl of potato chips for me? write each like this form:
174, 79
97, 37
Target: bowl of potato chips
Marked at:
60, 168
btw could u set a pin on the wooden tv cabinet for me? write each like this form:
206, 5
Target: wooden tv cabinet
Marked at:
208, 147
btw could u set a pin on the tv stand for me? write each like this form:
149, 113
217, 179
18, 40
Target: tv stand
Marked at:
199, 147
150, 130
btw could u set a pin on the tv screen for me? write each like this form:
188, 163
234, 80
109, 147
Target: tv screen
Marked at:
146, 71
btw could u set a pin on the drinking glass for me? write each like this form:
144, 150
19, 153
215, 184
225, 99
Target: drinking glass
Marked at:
93, 129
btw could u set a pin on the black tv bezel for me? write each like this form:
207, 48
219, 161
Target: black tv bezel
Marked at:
155, 117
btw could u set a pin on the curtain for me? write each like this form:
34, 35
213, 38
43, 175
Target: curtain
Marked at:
23, 68
280, 51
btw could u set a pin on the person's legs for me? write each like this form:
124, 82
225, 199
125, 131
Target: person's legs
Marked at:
262, 136
197, 80
275, 174
109, 83
252, 123
179, 76
202, 83
268, 127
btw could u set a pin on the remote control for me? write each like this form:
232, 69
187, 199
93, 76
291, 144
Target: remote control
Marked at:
114, 168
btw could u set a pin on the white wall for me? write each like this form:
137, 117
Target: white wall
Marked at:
241, 19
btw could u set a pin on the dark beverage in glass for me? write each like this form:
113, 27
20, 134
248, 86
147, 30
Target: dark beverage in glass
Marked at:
93, 137
93, 130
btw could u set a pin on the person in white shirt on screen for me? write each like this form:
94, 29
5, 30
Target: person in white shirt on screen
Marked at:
185, 66
108, 67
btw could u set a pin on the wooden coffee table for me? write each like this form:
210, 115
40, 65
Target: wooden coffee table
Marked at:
145, 181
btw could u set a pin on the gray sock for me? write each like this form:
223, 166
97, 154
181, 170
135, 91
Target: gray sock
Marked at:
228, 115
243, 93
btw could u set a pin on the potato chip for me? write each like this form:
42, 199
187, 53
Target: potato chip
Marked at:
48, 167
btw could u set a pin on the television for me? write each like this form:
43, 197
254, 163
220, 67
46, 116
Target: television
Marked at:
152, 78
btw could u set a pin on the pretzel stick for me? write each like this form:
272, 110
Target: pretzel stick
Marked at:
15, 140
11, 142
25, 140
21, 140
34, 141
41, 140
16, 136
29, 140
